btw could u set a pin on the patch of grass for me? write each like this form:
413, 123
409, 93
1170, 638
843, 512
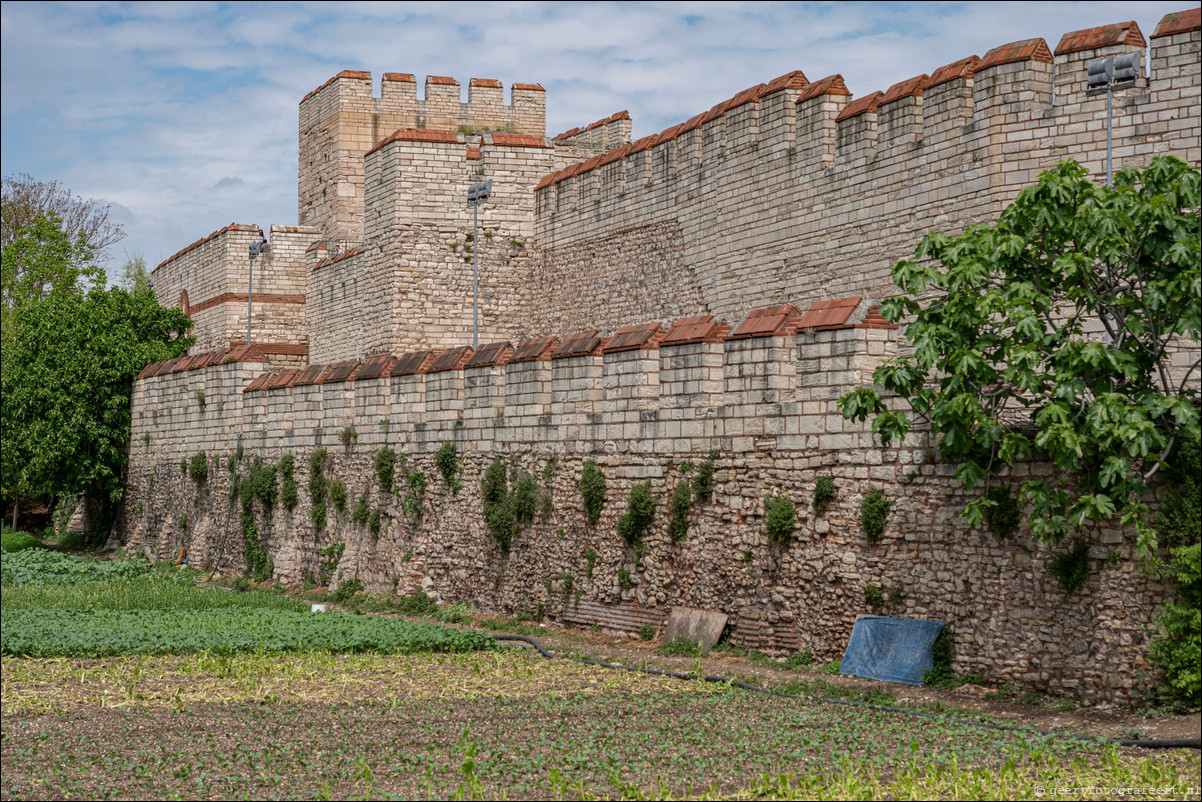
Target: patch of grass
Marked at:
11, 541
680, 646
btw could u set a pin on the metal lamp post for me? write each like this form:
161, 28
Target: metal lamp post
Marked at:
1106, 75
256, 248
477, 195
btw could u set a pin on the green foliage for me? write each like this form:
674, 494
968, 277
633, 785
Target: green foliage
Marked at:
874, 597
263, 483
330, 556
447, 461
105, 633
66, 378
338, 495
824, 493
590, 556
498, 504
1010, 336
646, 632
319, 488
942, 650
524, 498
703, 482
38, 261
11, 541
348, 436
624, 579
874, 511
46, 567
1002, 513
640, 511
135, 275
1178, 654
780, 519
680, 646
375, 523
288, 490
361, 511
416, 493
1070, 566
347, 589
198, 468
678, 511
385, 466
592, 491
1179, 515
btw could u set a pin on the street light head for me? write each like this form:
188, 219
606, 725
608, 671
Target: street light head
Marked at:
1126, 69
1100, 72
479, 192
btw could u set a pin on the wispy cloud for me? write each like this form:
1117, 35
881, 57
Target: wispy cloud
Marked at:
183, 116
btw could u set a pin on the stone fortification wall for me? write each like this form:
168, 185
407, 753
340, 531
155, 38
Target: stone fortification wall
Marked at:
341, 120
209, 281
409, 284
792, 189
648, 404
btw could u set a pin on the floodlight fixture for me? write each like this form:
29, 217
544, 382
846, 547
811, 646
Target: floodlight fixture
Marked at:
1107, 75
256, 249
477, 195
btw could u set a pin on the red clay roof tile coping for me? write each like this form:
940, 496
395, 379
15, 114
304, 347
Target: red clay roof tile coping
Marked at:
619, 115
911, 87
342, 372
617, 154
375, 366
832, 314
864, 105
258, 382
535, 349
240, 297
875, 320
319, 245
310, 375
357, 75
419, 135
531, 87
792, 80
633, 338
203, 240
830, 85
767, 322
519, 140
182, 363
580, 343
545, 181
491, 83
1026, 50
413, 362
400, 77
1179, 22
490, 355
695, 330
441, 80
1120, 33
284, 379
452, 359
963, 68
336, 259
292, 349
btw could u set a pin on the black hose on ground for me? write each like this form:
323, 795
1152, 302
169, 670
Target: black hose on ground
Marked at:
1175, 743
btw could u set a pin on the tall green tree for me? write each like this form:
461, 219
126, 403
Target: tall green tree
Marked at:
1053, 335
66, 379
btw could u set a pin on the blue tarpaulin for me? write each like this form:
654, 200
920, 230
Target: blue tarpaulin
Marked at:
890, 649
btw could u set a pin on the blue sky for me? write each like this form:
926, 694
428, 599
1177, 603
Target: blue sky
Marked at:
183, 116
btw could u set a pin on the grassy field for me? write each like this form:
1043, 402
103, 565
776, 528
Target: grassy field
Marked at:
500, 723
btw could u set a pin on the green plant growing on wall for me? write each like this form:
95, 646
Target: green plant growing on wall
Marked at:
200, 398
874, 511
385, 467
874, 597
415, 493
338, 495
897, 597
183, 523
288, 490
1002, 513
592, 491
361, 512
447, 461
198, 468
678, 511
703, 482
1070, 566
348, 436
590, 557
263, 483
525, 498
375, 523
330, 557
780, 519
624, 579
507, 510
258, 564
640, 511
318, 489
824, 493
